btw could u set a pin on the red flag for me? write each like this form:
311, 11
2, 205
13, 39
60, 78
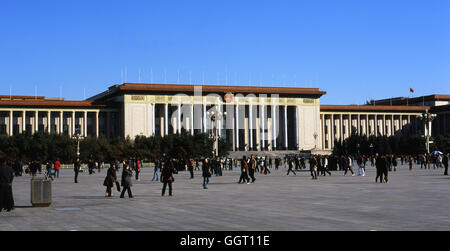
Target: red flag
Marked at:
411, 90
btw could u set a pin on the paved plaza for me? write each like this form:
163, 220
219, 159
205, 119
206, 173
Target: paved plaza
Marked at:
412, 200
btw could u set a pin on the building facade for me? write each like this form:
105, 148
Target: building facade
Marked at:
251, 118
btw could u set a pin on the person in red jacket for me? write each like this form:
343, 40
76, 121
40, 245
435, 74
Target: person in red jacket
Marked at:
57, 166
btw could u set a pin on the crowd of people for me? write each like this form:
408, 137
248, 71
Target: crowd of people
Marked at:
165, 168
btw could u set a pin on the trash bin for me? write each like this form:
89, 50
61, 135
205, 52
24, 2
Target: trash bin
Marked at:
41, 192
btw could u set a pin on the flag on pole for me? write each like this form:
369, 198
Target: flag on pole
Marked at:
411, 90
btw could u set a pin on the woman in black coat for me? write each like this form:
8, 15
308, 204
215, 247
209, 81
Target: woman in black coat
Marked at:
126, 181
166, 176
205, 173
110, 180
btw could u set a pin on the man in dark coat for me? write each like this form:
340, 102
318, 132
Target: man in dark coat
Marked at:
206, 174
126, 181
6, 179
166, 176
380, 165
76, 168
445, 162
244, 171
110, 180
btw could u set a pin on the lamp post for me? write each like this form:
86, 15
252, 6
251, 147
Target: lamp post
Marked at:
427, 118
78, 138
315, 135
214, 117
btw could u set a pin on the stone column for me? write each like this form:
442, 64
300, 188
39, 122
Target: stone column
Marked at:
297, 146
166, 119
85, 124
263, 128
49, 121
72, 124
24, 120
61, 123
332, 130
274, 128
191, 119
11, 122
250, 126
179, 119
97, 134
286, 145
108, 124
322, 125
36, 121
236, 120
204, 118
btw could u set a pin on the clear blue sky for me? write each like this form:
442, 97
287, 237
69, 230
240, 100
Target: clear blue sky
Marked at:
354, 50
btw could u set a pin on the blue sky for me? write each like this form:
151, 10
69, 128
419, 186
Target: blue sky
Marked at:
354, 50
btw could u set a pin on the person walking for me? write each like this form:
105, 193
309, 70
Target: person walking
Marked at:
291, 166
395, 163
127, 173
206, 174
252, 168
190, 165
48, 167
137, 168
244, 171
313, 167
359, 162
91, 166
445, 163
266, 166
348, 165
110, 180
6, 180
156, 170
410, 161
379, 164
325, 168
166, 176
57, 167
76, 168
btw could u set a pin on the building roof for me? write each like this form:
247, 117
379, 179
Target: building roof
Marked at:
208, 89
49, 103
373, 108
406, 100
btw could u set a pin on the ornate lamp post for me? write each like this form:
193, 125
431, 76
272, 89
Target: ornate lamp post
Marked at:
215, 117
315, 135
427, 118
78, 137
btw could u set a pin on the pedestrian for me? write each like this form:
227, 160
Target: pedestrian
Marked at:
48, 167
6, 180
252, 168
445, 163
156, 170
325, 168
313, 167
167, 176
91, 166
76, 168
57, 167
127, 173
244, 171
291, 166
348, 165
359, 162
138, 167
410, 160
110, 180
379, 164
266, 166
206, 174
395, 163
190, 165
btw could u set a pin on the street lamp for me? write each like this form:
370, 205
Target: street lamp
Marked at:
315, 135
78, 137
215, 117
427, 118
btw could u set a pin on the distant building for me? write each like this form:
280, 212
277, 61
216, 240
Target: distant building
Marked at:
257, 118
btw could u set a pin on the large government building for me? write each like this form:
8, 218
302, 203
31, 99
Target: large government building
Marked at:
249, 118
